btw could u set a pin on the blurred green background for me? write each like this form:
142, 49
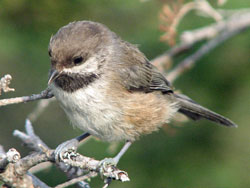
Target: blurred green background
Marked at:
196, 154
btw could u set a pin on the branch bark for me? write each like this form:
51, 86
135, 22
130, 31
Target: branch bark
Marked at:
46, 94
78, 179
14, 169
233, 27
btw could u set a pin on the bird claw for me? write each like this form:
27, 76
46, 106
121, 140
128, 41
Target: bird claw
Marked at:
66, 150
106, 165
107, 168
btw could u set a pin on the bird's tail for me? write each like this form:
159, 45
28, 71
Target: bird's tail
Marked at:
195, 111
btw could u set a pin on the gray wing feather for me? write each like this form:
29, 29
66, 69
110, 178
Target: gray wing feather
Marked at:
195, 111
144, 77
137, 73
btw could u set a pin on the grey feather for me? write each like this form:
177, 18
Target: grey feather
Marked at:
195, 111
138, 74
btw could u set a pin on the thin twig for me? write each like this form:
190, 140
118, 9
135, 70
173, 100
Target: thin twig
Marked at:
72, 159
76, 180
37, 182
39, 109
83, 184
14, 169
46, 94
187, 63
210, 31
12, 156
4, 84
172, 18
164, 61
189, 38
30, 139
9, 172
230, 12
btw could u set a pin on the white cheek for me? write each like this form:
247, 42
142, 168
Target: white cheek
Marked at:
91, 65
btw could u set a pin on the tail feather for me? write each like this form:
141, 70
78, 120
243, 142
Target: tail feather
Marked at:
195, 111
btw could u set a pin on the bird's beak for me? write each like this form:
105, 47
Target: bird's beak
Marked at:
53, 75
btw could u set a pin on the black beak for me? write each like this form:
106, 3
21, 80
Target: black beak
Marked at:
53, 75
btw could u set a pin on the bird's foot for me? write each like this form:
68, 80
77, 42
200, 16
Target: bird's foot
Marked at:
108, 169
107, 164
66, 150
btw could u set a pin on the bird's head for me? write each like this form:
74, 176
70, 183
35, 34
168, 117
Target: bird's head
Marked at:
79, 48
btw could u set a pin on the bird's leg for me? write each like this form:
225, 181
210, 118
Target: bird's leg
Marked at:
122, 151
64, 150
105, 163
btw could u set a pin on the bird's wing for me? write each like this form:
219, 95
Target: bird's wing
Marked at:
138, 74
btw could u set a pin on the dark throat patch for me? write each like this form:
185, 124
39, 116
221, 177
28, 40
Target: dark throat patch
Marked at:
71, 82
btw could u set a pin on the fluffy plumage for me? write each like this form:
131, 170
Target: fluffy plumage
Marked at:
112, 91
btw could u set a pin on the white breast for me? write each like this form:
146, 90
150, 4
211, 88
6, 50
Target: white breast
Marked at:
90, 110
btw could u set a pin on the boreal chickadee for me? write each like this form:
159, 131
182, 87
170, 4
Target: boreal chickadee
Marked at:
109, 89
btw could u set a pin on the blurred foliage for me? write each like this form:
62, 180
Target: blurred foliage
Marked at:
199, 154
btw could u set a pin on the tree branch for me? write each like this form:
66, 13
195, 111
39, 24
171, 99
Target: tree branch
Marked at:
222, 30
46, 94
236, 20
14, 169
78, 179
232, 28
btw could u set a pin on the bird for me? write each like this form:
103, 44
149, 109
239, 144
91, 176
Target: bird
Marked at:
110, 90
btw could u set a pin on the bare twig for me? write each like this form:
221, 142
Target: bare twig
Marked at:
83, 184
17, 173
229, 12
172, 18
43, 154
233, 22
232, 30
37, 182
43, 95
164, 61
204, 8
41, 106
4, 84
90, 164
76, 180
24, 164
237, 21
12, 156
9, 171
30, 139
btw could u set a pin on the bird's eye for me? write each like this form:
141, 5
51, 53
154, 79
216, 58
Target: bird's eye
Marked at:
77, 60
50, 53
